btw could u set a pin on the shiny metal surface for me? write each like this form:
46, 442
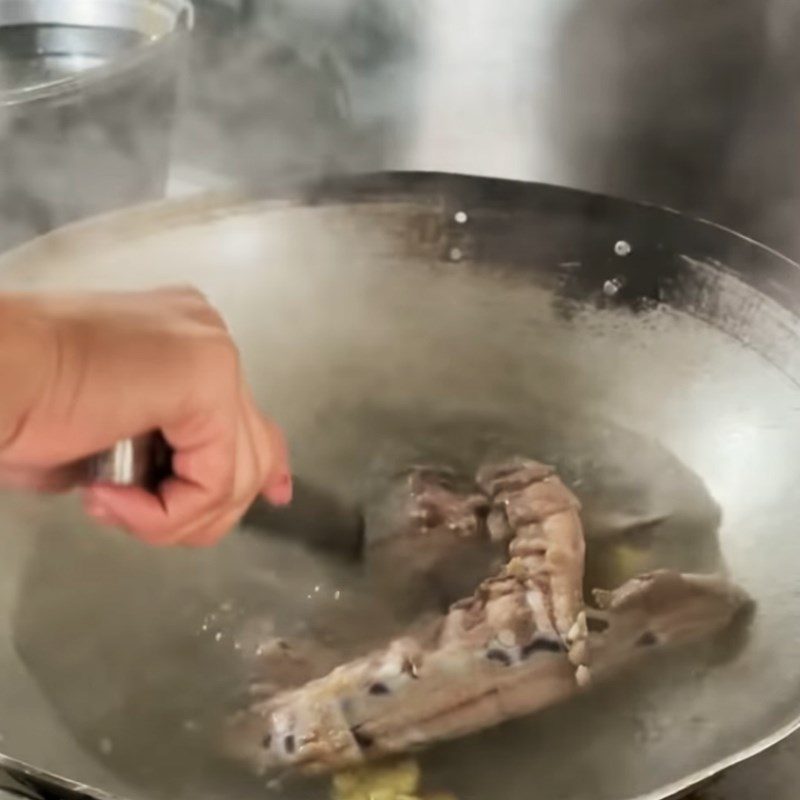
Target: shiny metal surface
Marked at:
87, 98
120, 465
685, 104
142, 461
151, 20
372, 345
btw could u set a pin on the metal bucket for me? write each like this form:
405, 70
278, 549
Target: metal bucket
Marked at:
87, 99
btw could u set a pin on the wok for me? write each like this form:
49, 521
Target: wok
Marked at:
654, 359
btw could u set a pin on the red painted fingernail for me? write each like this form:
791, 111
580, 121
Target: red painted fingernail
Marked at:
279, 492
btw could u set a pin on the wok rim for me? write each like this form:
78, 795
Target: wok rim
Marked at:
385, 186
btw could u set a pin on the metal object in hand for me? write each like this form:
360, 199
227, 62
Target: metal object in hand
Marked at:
142, 461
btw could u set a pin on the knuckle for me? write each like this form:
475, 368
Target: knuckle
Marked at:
222, 349
193, 304
202, 309
214, 358
212, 315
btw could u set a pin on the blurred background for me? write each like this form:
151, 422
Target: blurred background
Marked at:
691, 105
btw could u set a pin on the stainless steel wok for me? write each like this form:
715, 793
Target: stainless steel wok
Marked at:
654, 359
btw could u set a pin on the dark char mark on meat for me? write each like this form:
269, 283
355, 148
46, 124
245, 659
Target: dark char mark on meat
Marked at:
596, 624
647, 639
542, 646
500, 656
363, 740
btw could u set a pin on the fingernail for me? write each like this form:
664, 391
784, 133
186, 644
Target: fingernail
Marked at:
279, 492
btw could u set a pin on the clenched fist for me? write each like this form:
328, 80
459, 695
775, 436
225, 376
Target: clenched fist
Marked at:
81, 372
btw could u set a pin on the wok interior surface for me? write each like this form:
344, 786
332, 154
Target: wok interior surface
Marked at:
375, 345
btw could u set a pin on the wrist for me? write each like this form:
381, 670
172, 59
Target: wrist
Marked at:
28, 356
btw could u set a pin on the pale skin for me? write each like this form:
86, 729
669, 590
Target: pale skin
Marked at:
81, 372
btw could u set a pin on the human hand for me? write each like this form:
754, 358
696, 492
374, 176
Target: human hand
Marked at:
85, 371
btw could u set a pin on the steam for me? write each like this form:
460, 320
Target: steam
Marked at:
71, 151
298, 91
628, 100
691, 109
